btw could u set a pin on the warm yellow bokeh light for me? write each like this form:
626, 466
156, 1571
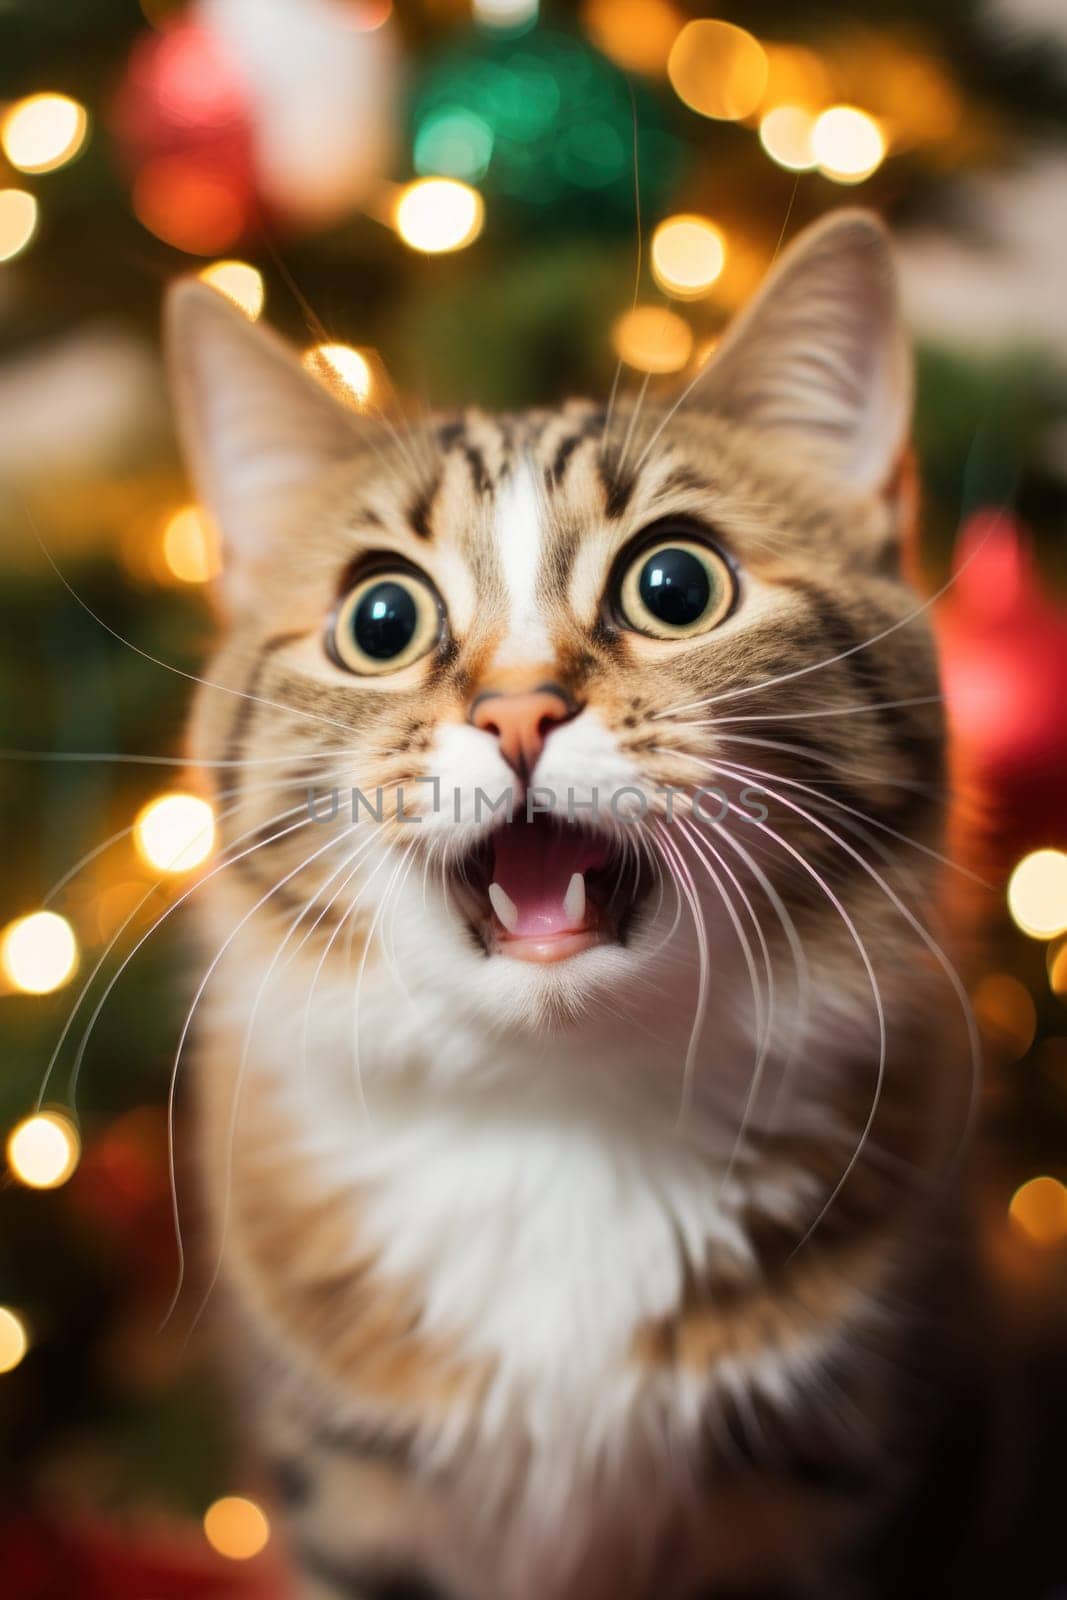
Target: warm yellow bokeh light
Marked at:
718, 69
636, 34
237, 1528
43, 132
240, 282
43, 1150
38, 953
1005, 1008
653, 339
18, 221
785, 134
1037, 894
341, 368
175, 833
438, 214
848, 145
688, 254
1038, 1211
191, 546
14, 1340
795, 77
1057, 969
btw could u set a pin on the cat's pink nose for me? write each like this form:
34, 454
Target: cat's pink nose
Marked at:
522, 722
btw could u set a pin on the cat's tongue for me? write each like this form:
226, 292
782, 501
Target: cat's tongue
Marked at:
540, 868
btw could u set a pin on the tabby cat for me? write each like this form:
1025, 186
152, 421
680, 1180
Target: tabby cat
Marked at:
581, 1074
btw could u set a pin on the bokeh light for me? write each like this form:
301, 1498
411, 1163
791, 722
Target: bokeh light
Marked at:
718, 69
688, 254
438, 214
43, 1150
453, 143
636, 34
18, 221
1005, 1008
508, 15
1057, 969
1037, 894
785, 134
38, 953
236, 1528
175, 833
43, 132
795, 76
1038, 1211
189, 204
240, 282
653, 339
191, 546
343, 369
848, 145
14, 1340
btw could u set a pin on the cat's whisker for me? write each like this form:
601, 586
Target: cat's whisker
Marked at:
955, 981
172, 1096
684, 880
358, 992
763, 1001
307, 754
794, 716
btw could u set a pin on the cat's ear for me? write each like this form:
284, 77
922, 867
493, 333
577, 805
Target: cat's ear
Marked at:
821, 355
256, 429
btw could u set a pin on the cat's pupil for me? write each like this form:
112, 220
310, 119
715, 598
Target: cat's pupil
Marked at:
384, 621
675, 586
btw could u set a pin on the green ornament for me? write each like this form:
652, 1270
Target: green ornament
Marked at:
546, 123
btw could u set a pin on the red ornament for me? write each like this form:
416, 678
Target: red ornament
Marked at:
1003, 646
183, 124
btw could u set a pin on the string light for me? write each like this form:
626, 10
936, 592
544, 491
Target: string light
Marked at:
38, 953
848, 145
1038, 1211
718, 69
237, 1528
653, 339
175, 833
785, 134
343, 369
43, 132
438, 214
43, 1150
18, 222
240, 282
688, 254
636, 34
1037, 894
191, 546
14, 1340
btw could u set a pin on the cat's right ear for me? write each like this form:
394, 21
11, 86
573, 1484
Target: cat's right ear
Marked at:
256, 429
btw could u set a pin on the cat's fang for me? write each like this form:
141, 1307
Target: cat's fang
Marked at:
574, 899
506, 909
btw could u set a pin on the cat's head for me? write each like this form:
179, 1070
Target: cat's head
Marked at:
591, 612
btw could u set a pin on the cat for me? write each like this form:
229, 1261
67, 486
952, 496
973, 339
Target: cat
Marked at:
582, 1076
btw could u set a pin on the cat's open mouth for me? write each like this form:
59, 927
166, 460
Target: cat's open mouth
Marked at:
543, 890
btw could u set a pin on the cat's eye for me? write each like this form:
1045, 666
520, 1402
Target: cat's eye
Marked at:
675, 588
388, 620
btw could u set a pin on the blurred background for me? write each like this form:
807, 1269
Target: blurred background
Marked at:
441, 202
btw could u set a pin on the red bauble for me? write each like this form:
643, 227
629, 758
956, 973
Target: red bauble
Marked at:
183, 127
1003, 644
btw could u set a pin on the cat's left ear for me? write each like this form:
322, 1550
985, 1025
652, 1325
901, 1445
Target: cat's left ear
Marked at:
820, 356
258, 432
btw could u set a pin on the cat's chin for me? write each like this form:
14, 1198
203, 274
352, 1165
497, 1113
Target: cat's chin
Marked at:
545, 891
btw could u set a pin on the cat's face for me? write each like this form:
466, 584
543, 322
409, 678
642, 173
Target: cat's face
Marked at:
575, 618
